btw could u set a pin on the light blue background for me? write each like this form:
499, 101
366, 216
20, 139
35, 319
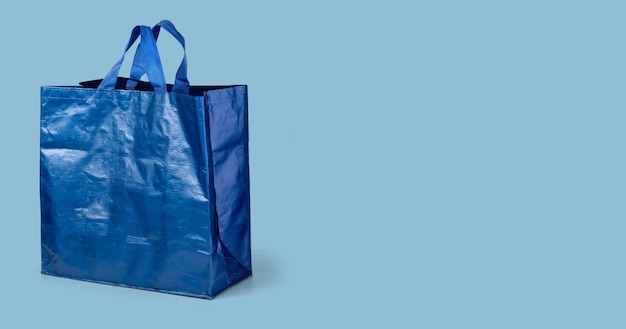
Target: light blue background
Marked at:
440, 164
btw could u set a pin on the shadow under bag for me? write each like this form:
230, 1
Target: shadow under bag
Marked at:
146, 185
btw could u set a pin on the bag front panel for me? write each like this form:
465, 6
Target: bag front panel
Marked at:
125, 189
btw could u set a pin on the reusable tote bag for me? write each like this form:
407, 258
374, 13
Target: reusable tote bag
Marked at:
146, 185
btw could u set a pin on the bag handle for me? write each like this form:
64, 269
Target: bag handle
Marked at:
181, 84
149, 62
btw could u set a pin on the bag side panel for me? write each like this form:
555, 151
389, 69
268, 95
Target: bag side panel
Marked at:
228, 121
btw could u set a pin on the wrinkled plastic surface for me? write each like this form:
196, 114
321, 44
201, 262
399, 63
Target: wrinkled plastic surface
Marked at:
146, 189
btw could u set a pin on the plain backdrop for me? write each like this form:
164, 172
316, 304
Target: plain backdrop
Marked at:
414, 164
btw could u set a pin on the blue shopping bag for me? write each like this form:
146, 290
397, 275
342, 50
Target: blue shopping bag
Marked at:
145, 184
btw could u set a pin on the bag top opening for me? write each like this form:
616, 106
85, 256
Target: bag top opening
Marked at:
146, 86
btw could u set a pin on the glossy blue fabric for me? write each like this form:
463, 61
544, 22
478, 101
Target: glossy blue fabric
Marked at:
146, 188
